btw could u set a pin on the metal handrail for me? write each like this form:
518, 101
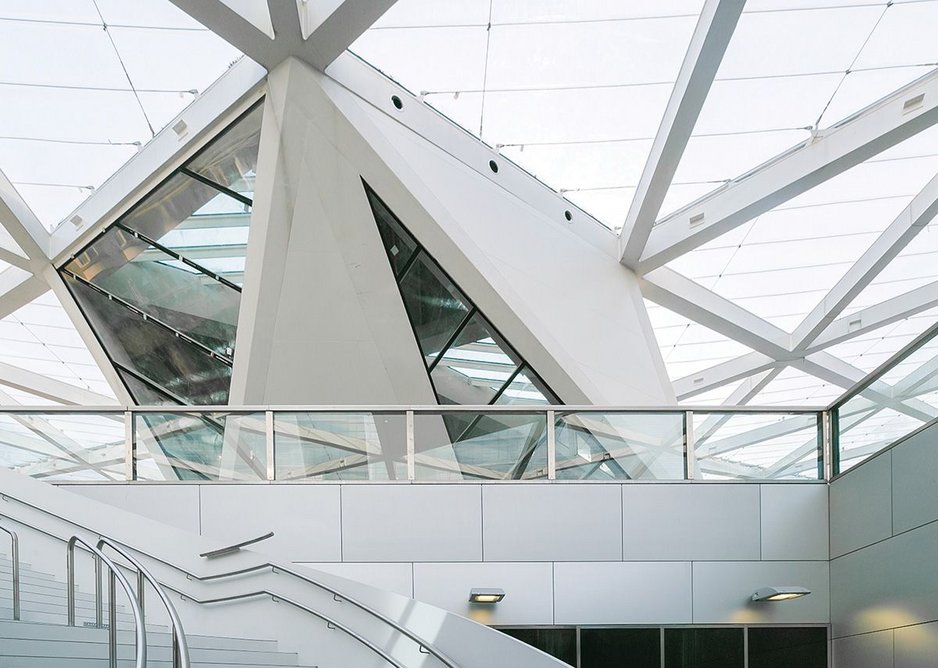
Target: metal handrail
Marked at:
15, 569
276, 598
114, 574
338, 596
180, 644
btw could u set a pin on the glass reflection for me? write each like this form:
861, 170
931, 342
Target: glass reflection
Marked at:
480, 446
165, 289
64, 446
398, 243
620, 446
177, 366
475, 366
340, 446
469, 362
435, 305
757, 446
208, 446
231, 160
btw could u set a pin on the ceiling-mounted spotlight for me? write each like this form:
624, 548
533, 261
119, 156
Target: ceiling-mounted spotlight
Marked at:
486, 595
780, 593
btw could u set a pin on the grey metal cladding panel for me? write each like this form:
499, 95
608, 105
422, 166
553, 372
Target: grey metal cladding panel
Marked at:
861, 506
889, 584
870, 650
622, 593
397, 577
723, 591
915, 481
305, 519
411, 522
528, 590
552, 522
916, 646
794, 522
691, 521
176, 505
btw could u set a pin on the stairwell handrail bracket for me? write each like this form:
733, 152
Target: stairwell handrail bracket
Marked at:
14, 569
115, 576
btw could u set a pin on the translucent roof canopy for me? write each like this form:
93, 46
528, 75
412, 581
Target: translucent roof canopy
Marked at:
824, 269
86, 83
575, 93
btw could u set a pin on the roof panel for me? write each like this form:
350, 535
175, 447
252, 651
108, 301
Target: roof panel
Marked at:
70, 116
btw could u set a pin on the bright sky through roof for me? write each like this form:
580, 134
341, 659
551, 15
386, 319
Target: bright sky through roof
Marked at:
79, 99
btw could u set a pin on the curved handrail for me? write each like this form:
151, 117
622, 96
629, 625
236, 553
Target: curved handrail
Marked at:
15, 569
141, 632
430, 649
180, 645
433, 651
277, 598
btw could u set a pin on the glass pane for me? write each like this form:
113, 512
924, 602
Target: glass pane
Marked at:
757, 446
620, 446
789, 647
398, 243
162, 287
143, 394
170, 204
214, 237
208, 446
475, 367
526, 389
867, 426
340, 446
606, 648
180, 368
434, 304
64, 446
559, 643
479, 446
231, 160
703, 648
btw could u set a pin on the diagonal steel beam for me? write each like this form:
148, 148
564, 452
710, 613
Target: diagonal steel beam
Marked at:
317, 33
22, 224
913, 219
704, 54
830, 152
721, 374
878, 315
680, 294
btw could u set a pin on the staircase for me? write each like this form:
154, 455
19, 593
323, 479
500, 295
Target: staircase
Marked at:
41, 639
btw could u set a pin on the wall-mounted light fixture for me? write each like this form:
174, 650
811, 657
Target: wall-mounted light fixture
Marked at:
780, 593
487, 595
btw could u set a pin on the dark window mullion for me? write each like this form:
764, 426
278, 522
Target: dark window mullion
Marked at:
147, 317
507, 384
411, 261
177, 255
152, 384
220, 188
459, 328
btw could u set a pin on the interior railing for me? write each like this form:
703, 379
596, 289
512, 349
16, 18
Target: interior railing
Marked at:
477, 443
895, 400
415, 443
114, 576
180, 654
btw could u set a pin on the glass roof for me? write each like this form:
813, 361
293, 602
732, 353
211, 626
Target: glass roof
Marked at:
85, 83
40, 338
574, 92
571, 90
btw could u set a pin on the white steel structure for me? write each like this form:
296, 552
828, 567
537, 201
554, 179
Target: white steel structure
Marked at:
380, 207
